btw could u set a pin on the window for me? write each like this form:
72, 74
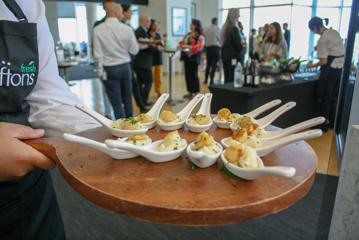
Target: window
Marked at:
300, 11
135, 17
329, 3
235, 4
67, 30
333, 14
265, 15
74, 30
344, 23
272, 2
100, 12
303, 2
299, 41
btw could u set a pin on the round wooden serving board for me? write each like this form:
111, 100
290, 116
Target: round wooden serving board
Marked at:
174, 192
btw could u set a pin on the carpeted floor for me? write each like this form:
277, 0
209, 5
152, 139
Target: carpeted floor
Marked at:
83, 220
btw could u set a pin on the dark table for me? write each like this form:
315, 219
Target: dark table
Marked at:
244, 99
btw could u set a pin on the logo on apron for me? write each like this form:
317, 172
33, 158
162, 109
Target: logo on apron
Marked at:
26, 76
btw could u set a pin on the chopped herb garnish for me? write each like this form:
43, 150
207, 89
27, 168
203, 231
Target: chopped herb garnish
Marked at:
227, 172
193, 166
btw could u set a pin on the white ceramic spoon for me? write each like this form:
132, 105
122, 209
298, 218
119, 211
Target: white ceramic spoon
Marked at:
293, 129
149, 151
226, 125
205, 109
112, 152
183, 114
253, 173
263, 108
267, 120
202, 159
107, 123
270, 145
154, 112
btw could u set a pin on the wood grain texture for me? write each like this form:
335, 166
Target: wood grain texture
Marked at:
174, 193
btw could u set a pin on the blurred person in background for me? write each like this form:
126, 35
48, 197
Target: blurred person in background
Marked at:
113, 44
244, 43
251, 43
157, 60
144, 59
191, 48
286, 34
212, 36
127, 15
231, 44
330, 52
274, 46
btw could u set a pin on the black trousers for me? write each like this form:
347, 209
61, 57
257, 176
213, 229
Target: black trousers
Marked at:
328, 91
29, 209
144, 78
213, 55
119, 89
137, 93
228, 69
191, 76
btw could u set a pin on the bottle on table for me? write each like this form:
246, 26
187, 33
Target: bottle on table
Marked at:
256, 77
249, 75
238, 72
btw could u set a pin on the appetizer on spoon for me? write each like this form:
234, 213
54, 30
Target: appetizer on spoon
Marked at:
202, 120
149, 119
244, 162
263, 147
260, 124
204, 152
139, 140
128, 126
170, 121
225, 118
170, 148
119, 128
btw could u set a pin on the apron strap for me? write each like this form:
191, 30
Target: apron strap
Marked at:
16, 10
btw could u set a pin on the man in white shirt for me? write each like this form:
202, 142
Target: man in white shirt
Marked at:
113, 44
212, 36
31, 93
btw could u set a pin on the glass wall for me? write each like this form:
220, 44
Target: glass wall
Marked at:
296, 13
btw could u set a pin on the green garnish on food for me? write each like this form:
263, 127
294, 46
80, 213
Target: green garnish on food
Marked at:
227, 172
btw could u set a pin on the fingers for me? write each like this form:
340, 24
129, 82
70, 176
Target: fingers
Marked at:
24, 133
20, 131
36, 159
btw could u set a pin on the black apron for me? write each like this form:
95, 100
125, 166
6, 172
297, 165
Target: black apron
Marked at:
28, 206
328, 89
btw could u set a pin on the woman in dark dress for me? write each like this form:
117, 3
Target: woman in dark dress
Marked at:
191, 48
231, 44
